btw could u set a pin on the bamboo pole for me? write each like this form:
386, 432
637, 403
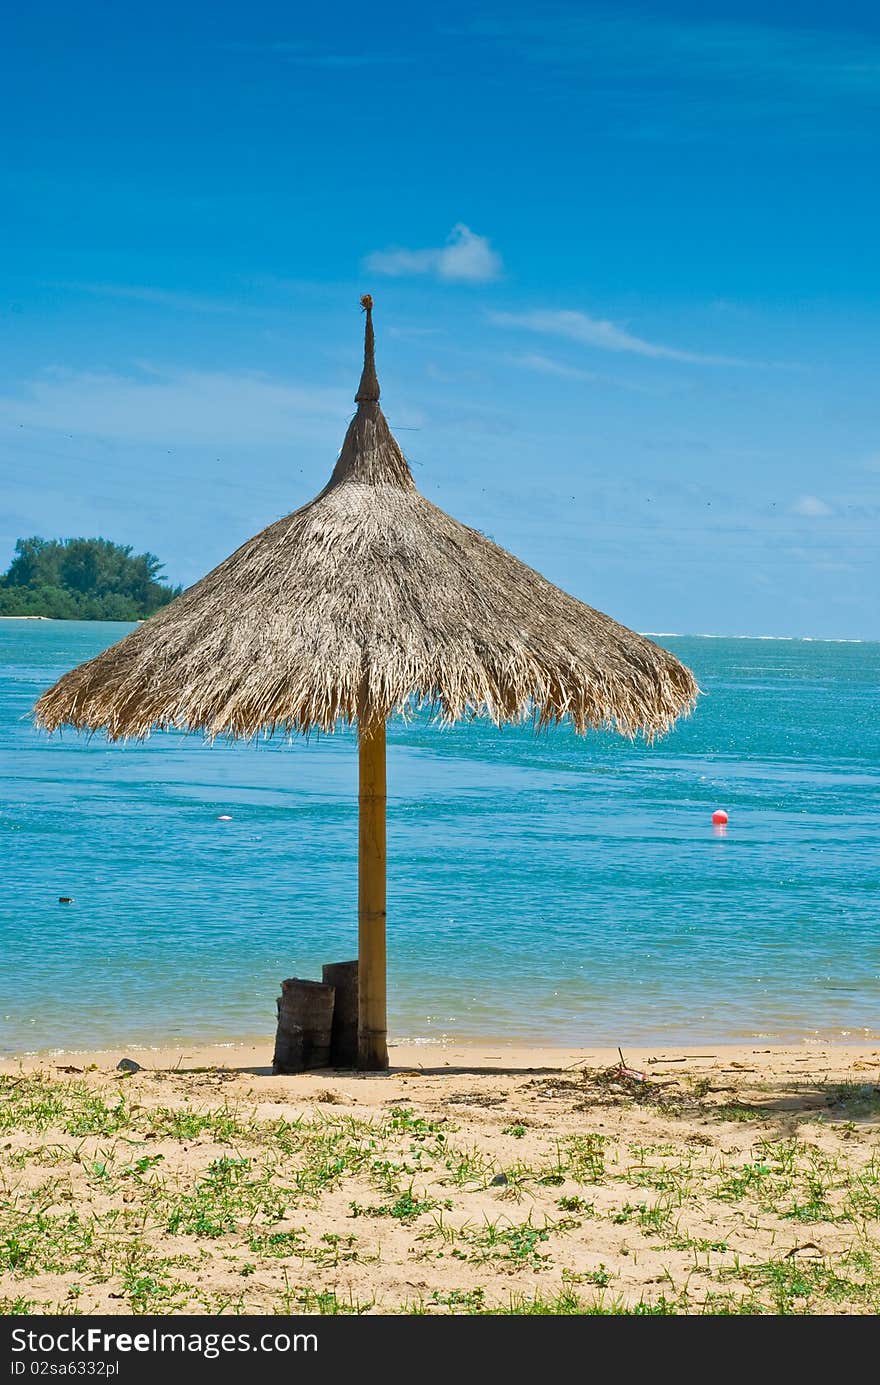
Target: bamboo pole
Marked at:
372, 1024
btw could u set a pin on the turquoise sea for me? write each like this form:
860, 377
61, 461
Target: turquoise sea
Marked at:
540, 886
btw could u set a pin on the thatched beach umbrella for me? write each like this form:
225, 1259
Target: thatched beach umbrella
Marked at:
364, 602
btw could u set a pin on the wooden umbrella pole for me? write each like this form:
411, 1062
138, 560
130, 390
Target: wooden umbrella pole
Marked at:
372, 1022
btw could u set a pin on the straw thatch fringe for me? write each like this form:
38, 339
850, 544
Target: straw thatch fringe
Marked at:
361, 602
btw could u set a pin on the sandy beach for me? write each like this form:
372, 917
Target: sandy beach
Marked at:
468, 1179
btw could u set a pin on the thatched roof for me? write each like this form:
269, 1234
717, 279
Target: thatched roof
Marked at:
364, 601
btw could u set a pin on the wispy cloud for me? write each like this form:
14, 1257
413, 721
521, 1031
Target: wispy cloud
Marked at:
661, 76
161, 298
643, 44
546, 365
312, 53
812, 506
606, 336
465, 258
156, 405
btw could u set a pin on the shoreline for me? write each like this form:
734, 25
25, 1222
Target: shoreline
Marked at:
254, 1056
212, 1050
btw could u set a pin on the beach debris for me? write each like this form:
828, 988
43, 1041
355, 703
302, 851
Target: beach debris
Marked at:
809, 1249
328, 1096
128, 1065
632, 1074
499, 1181
474, 1099
615, 1086
688, 1058
66, 899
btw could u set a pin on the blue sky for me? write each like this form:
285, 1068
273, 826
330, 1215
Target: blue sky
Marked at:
624, 262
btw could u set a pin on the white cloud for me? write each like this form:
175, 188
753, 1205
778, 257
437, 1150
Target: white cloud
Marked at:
156, 405
465, 258
548, 365
545, 365
812, 507
607, 336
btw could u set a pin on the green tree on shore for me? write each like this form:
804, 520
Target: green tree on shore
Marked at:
82, 579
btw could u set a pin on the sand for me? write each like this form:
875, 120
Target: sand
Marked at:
467, 1179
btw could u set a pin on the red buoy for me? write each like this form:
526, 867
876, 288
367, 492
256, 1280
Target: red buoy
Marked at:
719, 817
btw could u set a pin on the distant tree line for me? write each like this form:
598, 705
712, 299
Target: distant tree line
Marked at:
82, 579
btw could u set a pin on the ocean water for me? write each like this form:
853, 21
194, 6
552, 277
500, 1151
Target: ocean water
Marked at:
541, 886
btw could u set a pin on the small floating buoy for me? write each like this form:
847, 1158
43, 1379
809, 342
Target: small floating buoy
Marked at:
225, 817
719, 817
65, 899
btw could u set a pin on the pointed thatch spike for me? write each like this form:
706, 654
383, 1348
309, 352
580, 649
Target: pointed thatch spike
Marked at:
370, 454
368, 390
